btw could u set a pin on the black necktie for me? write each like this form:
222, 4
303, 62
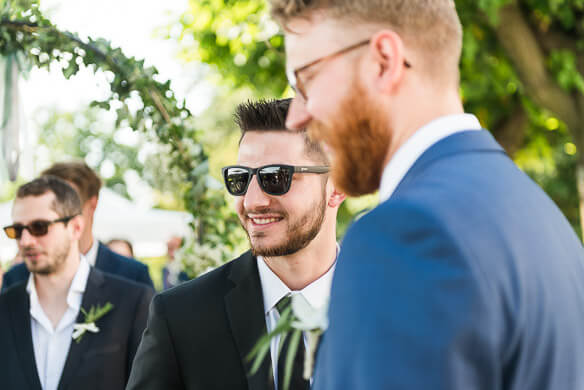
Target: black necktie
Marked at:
297, 382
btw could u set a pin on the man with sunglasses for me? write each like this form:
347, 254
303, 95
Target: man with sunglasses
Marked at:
466, 276
87, 184
200, 333
49, 338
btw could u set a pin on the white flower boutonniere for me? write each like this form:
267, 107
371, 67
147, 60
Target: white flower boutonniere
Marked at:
300, 317
88, 325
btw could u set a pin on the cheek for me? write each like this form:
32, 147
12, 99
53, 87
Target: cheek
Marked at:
239, 209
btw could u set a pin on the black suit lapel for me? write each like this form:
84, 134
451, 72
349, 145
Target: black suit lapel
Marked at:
245, 310
20, 314
93, 296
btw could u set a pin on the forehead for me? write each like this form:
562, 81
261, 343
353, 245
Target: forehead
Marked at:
309, 39
30, 208
259, 148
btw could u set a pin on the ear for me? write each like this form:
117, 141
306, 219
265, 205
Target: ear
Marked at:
77, 224
91, 203
336, 198
387, 49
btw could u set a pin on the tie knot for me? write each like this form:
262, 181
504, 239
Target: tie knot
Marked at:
284, 303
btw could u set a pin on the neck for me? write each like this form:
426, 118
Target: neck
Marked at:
54, 287
86, 242
419, 110
308, 264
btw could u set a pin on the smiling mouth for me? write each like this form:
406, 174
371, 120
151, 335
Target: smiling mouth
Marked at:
264, 221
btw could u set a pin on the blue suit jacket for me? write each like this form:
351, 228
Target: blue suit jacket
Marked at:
106, 261
468, 277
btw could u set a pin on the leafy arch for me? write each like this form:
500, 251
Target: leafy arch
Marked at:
29, 37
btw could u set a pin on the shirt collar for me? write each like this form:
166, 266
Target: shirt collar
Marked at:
76, 290
417, 144
91, 254
316, 293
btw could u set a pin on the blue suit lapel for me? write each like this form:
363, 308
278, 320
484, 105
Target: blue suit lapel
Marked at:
103, 261
463, 142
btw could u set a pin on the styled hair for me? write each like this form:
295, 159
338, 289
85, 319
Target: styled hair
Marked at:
85, 180
66, 203
430, 26
270, 115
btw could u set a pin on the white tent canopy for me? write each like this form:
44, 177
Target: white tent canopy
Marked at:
116, 217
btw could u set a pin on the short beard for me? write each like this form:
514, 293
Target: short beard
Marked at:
359, 139
300, 234
59, 258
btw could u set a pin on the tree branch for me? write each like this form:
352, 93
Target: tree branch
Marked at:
510, 133
522, 47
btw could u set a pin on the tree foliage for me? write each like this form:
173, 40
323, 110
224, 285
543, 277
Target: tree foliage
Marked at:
521, 73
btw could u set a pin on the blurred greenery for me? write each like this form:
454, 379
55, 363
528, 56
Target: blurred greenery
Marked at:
521, 74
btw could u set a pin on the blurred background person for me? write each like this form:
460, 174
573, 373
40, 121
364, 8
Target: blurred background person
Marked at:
168, 279
121, 247
87, 184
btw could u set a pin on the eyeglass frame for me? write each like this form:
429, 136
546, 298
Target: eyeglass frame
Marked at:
292, 74
22, 227
318, 169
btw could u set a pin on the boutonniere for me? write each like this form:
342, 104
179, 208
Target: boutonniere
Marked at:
88, 324
299, 317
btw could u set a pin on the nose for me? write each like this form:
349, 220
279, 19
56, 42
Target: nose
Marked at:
26, 239
298, 116
255, 198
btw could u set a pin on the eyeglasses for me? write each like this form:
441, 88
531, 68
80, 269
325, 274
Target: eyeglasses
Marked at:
273, 179
36, 228
293, 74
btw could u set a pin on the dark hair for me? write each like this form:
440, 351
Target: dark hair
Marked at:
85, 180
66, 203
270, 115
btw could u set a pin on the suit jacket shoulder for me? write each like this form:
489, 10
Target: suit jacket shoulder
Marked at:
220, 315
113, 263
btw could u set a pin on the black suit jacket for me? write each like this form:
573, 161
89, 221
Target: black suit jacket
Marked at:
199, 333
107, 261
100, 360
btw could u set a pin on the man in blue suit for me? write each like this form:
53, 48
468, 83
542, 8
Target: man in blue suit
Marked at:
466, 276
87, 184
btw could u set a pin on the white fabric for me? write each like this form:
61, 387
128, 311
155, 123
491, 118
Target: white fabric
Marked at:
51, 346
316, 293
91, 255
422, 140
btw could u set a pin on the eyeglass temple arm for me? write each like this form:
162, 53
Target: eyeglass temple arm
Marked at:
314, 169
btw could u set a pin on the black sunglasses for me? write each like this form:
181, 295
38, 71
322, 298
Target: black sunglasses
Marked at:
36, 228
274, 179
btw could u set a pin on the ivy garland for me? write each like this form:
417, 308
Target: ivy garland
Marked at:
28, 35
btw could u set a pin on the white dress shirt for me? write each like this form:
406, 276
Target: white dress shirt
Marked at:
91, 255
316, 293
51, 346
422, 140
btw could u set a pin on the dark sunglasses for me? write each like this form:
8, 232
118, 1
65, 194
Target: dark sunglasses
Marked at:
36, 228
274, 179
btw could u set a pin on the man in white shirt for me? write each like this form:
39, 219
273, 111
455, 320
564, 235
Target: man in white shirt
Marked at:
200, 334
40, 319
466, 276
87, 184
